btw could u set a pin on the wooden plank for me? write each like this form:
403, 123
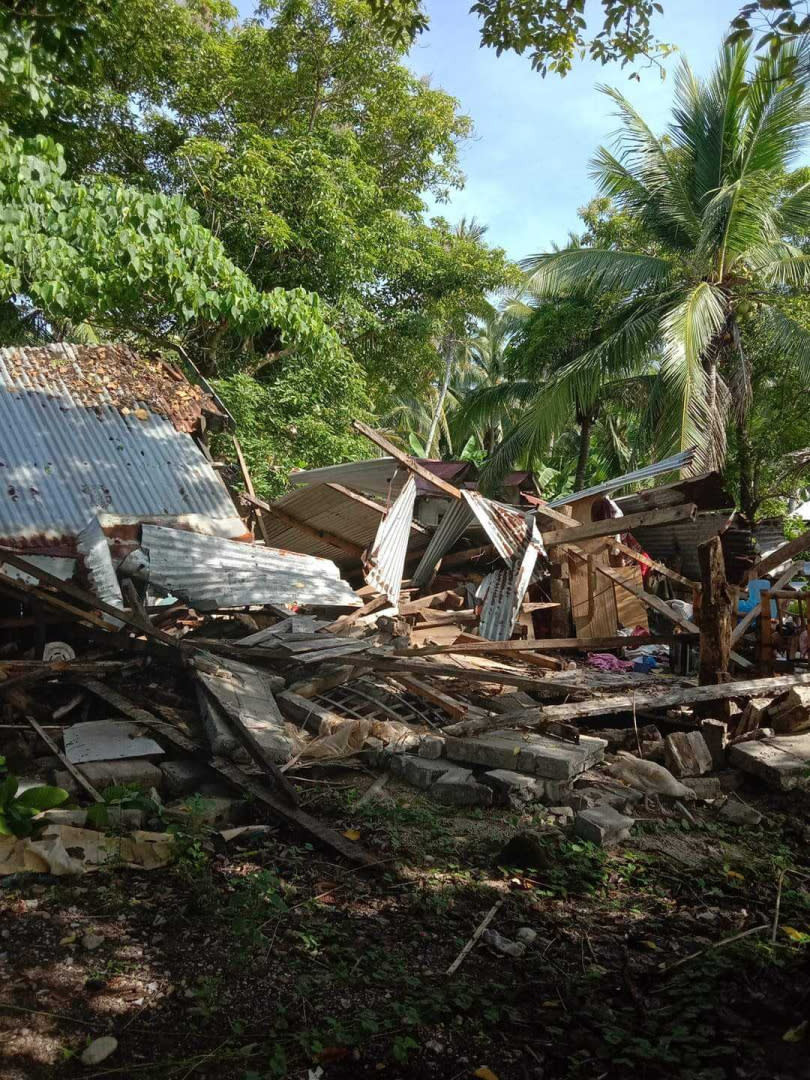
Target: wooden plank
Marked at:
77, 774
248, 482
593, 600
630, 610
659, 568
620, 525
375, 604
544, 510
749, 616
550, 663
53, 601
490, 674
782, 554
76, 593
607, 706
548, 644
406, 459
231, 773
457, 709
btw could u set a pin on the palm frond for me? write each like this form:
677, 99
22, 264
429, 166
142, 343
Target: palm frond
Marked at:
781, 264
688, 330
787, 337
585, 271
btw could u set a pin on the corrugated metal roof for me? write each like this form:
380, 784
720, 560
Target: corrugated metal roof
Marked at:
324, 507
670, 464
706, 491
66, 456
675, 544
91, 544
209, 572
383, 475
509, 529
503, 590
451, 529
386, 560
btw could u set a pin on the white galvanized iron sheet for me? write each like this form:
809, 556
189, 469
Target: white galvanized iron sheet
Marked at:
209, 572
451, 529
503, 590
62, 462
670, 464
92, 546
386, 561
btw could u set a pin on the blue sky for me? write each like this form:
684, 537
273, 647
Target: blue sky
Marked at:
527, 166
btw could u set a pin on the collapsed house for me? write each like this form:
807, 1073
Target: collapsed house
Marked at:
383, 614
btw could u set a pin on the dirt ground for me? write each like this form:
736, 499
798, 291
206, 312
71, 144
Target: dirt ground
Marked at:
274, 961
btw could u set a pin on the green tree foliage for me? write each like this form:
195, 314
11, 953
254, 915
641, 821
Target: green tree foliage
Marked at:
712, 196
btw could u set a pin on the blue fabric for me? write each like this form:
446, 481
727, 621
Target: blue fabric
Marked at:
755, 589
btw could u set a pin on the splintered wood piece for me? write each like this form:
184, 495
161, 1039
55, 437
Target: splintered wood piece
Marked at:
457, 709
610, 526
406, 459
77, 774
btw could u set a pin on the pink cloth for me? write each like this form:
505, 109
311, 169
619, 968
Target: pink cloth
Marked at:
608, 662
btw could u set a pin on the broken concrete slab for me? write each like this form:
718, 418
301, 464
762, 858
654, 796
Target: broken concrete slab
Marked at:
457, 789
431, 746
715, 734
739, 813
422, 772
512, 788
603, 825
108, 740
706, 787
563, 813
782, 761
610, 793
535, 755
104, 774
687, 754
184, 777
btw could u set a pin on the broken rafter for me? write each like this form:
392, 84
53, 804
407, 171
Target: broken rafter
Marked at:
248, 482
547, 644
406, 459
659, 568
781, 555
627, 703
748, 618
610, 526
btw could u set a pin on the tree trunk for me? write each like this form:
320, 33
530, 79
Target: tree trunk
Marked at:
437, 413
745, 466
585, 426
715, 622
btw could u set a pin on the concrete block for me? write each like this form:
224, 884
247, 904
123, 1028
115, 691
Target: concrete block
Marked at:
783, 761
715, 734
739, 813
535, 755
431, 746
564, 813
512, 788
687, 754
214, 811
184, 777
614, 794
706, 787
453, 789
603, 825
422, 772
104, 774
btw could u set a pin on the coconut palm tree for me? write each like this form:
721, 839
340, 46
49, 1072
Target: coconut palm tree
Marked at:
711, 194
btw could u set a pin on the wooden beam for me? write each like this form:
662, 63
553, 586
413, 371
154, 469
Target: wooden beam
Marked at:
749, 616
715, 624
77, 593
77, 774
659, 568
544, 510
406, 459
248, 482
457, 709
547, 644
655, 700
610, 526
782, 554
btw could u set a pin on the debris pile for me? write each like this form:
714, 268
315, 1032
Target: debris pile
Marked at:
152, 650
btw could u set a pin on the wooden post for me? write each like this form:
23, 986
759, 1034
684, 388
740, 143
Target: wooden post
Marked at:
715, 623
765, 633
560, 592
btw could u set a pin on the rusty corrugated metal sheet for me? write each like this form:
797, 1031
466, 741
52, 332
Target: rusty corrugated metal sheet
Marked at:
70, 450
209, 573
508, 528
386, 559
451, 529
